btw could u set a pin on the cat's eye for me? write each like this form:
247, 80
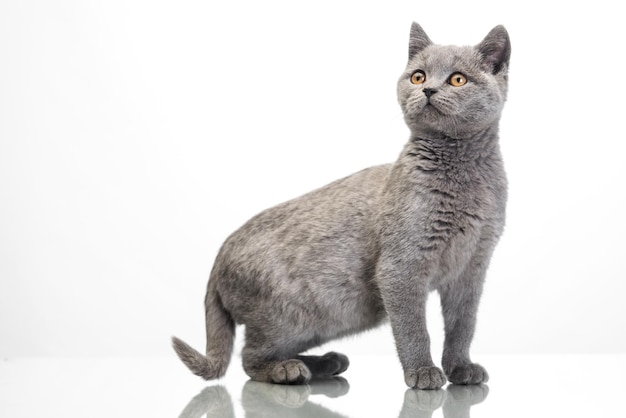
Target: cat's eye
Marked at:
418, 77
457, 80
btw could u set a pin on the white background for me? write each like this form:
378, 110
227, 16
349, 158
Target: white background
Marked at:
136, 135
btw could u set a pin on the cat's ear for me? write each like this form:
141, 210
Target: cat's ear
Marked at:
495, 50
418, 40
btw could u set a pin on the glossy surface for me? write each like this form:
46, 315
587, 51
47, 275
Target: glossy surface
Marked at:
520, 386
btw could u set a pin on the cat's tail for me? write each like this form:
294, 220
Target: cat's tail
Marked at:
220, 332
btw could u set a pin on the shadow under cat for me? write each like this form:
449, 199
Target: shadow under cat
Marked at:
260, 399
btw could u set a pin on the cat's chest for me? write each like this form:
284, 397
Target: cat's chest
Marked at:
443, 214
453, 223
446, 220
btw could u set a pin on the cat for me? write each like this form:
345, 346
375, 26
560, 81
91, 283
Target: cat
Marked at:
371, 246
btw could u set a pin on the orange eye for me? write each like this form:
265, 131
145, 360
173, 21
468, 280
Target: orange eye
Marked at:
418, 77
457, 79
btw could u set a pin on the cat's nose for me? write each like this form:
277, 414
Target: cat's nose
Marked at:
429, 92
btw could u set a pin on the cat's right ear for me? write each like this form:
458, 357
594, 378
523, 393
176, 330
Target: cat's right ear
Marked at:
495, 50
418, 40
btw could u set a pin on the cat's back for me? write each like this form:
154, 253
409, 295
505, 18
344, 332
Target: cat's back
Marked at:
328, 219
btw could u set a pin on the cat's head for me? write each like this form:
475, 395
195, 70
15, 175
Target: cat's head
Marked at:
454, 91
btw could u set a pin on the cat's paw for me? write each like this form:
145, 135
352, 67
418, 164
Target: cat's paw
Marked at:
339, 362
428, 378
290, 372
468, 374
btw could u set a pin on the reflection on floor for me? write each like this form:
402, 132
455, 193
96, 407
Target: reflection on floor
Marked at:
520, 386
281, 401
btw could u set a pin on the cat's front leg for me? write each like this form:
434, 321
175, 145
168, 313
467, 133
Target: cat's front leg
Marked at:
404, 294
459, 302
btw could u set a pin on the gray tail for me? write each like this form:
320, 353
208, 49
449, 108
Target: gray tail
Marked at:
220, 332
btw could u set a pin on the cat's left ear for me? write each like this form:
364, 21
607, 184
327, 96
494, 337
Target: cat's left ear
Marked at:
418, 40
495, 50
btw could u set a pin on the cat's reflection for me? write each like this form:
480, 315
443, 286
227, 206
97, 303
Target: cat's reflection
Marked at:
280, 401
268, 400
213, 401
455, 399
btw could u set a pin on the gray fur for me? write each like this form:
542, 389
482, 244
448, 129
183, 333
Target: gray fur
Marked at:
371, 246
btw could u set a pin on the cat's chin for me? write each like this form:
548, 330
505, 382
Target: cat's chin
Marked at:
435, 133
428, 125
433, 124
435, 112
431, 114
429, 135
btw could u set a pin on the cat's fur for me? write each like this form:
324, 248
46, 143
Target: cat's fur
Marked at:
343, 258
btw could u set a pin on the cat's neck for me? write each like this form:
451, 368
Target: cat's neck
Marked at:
441, 152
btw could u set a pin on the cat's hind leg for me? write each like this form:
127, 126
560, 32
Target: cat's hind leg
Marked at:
277, 360
293, 371
268, 360
330, 364
286, 372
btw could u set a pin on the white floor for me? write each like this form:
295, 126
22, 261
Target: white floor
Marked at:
520, 386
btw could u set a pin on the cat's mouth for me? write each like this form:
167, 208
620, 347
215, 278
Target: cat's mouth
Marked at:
432, 107
431, 110
438, 108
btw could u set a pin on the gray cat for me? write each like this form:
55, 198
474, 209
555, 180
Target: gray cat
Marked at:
371, 246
